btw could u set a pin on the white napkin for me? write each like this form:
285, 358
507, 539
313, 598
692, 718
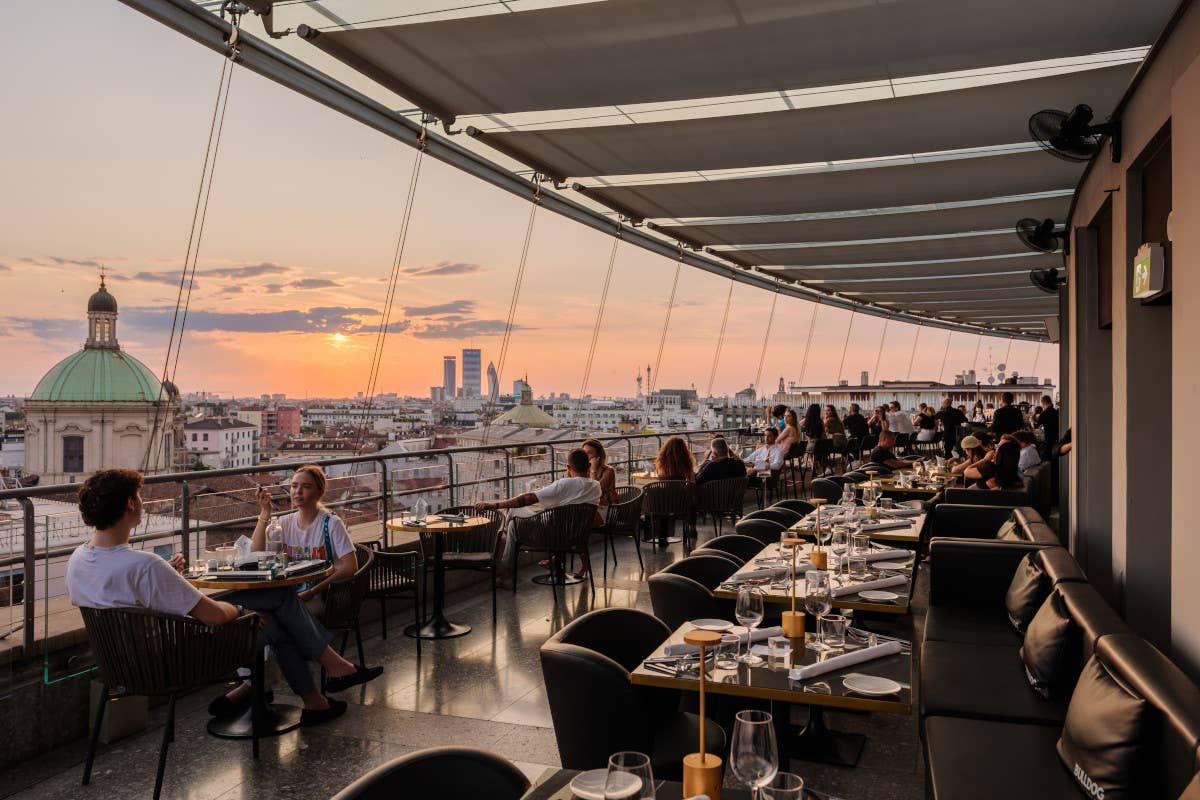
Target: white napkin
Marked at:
883, 555
844, 660
881, 583
757, 635
242, 549
901, 511
756, 574
885, 525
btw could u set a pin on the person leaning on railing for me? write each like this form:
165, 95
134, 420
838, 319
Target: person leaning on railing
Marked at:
106, 572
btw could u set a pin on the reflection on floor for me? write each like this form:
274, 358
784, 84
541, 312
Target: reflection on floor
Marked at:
484, 690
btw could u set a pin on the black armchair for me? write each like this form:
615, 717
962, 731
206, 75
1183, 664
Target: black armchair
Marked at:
801, 507
448, 773
784, 516
621, 518
141, 652
678, 598
476, 550
744, 547
597, 710
708, 570
826, 489
765, 530
721, 498
556, 531
397, 572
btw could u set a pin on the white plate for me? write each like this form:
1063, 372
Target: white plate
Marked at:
718, 625
590, 785
889, 564
875, 594
869, 684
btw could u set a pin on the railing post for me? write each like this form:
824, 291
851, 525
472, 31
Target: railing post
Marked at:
451, 481
384, 504
30, 599
553, 465
508, 477
185, 521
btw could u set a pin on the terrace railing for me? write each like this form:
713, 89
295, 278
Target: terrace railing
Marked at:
365, 489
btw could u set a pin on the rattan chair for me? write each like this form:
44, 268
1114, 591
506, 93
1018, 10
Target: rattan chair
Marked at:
621, 518
475, 550
397, 572
667, 501
558, 532
343, 602
141, 652
722, 498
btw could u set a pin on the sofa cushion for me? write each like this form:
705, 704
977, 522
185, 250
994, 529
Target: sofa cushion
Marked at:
972, 759
1026, 592
969, 624
1051, 649
982, 682
1102, 738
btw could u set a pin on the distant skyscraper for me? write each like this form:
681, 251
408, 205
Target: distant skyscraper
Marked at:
449, 376
493, 383
470, 372
519, 385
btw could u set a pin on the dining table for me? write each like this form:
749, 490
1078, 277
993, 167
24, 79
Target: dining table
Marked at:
555, 784
777, 590
273, 719
437, 626
886, 527
774, 680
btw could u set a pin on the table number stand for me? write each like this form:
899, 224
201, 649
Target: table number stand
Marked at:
702, 770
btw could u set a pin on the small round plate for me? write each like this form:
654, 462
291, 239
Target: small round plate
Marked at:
875, 594
871, 685
889, 565
718, 625
590, 785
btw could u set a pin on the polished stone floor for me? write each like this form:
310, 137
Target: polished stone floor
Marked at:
483, 690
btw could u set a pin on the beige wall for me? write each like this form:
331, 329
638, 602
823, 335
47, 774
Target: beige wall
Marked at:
1168, 92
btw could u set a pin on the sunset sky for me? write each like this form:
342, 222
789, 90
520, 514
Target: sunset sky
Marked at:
103, 140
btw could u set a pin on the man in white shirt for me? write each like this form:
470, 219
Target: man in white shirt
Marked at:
898, 420
769, 455
577, 487
105, 572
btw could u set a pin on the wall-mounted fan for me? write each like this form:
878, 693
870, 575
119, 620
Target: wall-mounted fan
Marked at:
1041, 236
1048, 280
1071, 136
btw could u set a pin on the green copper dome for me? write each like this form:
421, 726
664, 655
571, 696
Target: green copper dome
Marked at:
98, 375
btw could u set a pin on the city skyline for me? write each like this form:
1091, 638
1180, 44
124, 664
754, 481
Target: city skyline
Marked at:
290, 301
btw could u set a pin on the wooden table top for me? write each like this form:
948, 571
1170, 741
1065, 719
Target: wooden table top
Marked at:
436, 524
770, 681
781, 595
229, 584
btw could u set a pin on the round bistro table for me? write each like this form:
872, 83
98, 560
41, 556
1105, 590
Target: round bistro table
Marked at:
272, 719
437, 626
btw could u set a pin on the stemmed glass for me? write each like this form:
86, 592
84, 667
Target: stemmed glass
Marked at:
870, 495
749, 613
753, 754
818, 601
629, 777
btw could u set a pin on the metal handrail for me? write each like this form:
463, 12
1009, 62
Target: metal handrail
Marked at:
24, 496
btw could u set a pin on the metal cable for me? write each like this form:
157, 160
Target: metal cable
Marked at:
762, 356
1037, 354
845, 346
712, 375
587, 366
945, 356
879, 356
662, 340
913, 356
812, 325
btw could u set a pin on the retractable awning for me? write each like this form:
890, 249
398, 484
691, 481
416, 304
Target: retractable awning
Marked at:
979, 116
888, 252
637, 51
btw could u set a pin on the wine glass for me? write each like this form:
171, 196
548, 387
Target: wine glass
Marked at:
629, 777
753, 755
749, 612
818, 601
784, 786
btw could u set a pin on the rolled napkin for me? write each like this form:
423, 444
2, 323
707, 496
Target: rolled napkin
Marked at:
758, 635
882, 555
843, 661
880, 583
902, 512
885, 525
758, 574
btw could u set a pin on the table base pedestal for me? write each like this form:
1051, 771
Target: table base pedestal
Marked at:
437, 628
277, 719
817, 743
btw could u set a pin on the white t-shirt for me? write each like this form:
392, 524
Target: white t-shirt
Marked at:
312, 538
565, 491
899, 422
121, 577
